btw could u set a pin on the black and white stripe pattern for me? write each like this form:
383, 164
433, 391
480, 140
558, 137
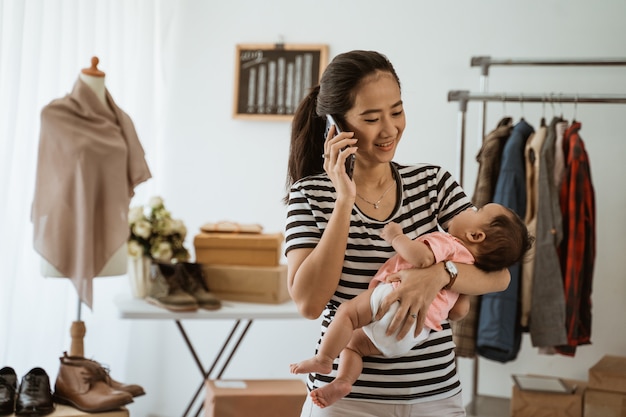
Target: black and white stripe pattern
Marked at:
430, 198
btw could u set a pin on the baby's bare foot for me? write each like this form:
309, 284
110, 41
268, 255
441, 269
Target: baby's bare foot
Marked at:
329, 394
313, 364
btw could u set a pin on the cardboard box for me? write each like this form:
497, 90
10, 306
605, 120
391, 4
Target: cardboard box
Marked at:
609, 374
258, 398
253, 284
533, 403
604, 404
238, 248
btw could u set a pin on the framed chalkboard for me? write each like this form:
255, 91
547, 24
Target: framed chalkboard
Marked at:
272, 79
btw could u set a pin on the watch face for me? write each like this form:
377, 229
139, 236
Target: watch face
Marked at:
451, 267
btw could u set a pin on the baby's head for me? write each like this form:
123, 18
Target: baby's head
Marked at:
494, 234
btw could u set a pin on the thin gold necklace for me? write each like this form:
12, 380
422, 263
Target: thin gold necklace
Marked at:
377, 203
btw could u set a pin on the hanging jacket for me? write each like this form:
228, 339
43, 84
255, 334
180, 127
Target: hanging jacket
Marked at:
578, 247
547, 312
531, 157
559, 162
489, 160
499, 334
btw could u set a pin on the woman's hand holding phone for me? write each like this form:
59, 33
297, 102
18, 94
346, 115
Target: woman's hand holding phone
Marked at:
350, 157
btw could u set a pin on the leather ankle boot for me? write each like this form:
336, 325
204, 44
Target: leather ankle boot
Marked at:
195, 284
35, 396
82, 388
166, 290
8, 390
103, 374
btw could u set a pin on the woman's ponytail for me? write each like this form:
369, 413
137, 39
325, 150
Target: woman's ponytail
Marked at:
307, 140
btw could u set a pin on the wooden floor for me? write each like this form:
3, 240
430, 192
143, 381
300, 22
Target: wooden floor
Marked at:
486, 406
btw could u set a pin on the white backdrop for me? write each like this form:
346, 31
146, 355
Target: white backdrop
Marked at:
170, 65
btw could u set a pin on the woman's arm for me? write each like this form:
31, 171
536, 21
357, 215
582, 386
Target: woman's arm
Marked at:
474, 281
420, 286
313, 274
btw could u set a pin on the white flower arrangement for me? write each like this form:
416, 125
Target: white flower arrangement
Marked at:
155, 234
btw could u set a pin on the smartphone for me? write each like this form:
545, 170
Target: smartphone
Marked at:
330, 120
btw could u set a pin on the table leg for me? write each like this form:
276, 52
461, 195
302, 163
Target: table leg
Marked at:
209, 371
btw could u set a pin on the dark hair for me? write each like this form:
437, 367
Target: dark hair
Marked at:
334, 95
507, 241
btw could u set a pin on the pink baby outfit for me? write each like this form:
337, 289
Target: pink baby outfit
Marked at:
445, 247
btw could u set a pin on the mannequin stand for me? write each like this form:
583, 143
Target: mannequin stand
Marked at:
77, 332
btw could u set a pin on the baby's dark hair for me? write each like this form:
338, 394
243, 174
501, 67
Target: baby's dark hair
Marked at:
507, 241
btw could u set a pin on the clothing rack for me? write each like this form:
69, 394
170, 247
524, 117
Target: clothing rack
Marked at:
464, 96
486, 62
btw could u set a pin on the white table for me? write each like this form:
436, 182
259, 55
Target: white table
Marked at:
243, 315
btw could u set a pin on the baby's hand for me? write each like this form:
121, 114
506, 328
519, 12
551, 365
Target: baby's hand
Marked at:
390, 231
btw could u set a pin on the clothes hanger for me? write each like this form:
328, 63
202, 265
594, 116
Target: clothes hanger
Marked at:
542, 123
575, 108
563, 119
521, 105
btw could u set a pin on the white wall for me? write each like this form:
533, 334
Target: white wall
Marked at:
214, 167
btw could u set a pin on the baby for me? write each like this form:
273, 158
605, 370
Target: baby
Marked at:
492, 238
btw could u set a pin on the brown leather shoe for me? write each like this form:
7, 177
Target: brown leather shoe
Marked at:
8, 390
78, 386
103, 374
35, 395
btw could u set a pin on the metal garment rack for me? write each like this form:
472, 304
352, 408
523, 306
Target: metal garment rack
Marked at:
486, 62
464, 96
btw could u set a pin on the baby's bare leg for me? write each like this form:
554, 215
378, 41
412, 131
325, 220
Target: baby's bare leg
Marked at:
350, 367
350, 315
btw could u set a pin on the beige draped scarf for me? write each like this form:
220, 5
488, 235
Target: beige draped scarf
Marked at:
89, 162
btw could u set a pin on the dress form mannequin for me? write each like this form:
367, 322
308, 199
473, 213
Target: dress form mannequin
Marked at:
117, 264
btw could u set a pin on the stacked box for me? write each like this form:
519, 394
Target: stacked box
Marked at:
243, 266
534, 403
606, 396
251, 284
258, 398
252, 249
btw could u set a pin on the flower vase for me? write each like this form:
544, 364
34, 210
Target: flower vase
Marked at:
139, 276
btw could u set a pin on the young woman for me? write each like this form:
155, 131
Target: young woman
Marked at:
334, 245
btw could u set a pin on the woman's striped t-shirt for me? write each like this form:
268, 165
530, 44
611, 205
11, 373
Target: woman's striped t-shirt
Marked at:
430, 197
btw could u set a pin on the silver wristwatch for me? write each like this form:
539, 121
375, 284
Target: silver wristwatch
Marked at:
450, 268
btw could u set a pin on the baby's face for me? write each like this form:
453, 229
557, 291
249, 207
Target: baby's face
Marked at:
475, 219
